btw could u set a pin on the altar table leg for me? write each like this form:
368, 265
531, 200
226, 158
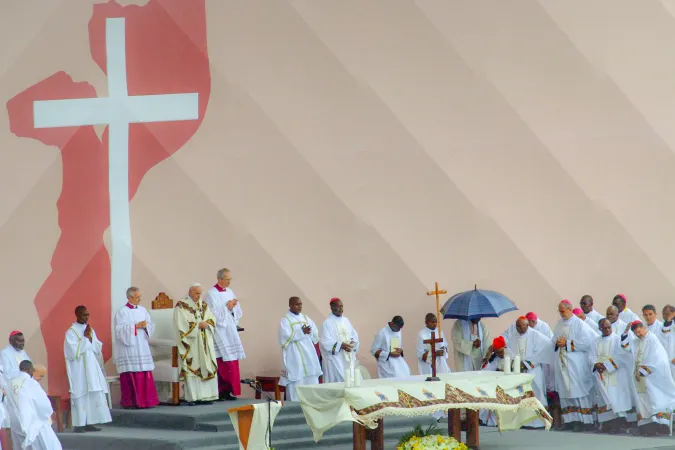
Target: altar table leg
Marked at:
472, 431
455, 424
359, 437
362, 434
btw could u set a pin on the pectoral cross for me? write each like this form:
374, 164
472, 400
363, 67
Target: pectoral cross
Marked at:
432, 342
437, 292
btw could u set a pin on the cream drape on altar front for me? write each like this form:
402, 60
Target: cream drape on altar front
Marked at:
258, 439
326, 405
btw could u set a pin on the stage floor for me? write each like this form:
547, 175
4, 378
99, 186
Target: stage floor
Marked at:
209, 428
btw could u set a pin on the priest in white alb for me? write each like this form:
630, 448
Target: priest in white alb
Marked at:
471, 342
424, 350
339, 343
650, 319
572, 340
196, 326
30, 412
613, 315
298, 335
654, 389
667, 335
612, 368
132, 356
586, 304
388, 350
88, 387
229, 350
535, 351
545, 329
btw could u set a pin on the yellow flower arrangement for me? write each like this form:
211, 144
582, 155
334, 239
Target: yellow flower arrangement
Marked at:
432, 442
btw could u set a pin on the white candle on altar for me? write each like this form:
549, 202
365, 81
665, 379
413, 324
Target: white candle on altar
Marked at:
507, 364
516, 364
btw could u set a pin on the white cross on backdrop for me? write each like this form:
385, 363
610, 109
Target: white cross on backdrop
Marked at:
118, 110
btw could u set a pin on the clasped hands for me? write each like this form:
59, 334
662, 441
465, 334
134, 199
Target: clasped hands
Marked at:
599, 367
88, 333
347, 347
203, 325
231, 304
561, 342
141, 325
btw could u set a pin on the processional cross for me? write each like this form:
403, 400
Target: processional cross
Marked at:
433, 341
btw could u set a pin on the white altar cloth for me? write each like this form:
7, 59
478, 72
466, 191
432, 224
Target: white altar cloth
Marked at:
509, 396
258, 438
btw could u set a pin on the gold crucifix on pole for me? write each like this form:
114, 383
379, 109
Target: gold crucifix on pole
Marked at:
437, 292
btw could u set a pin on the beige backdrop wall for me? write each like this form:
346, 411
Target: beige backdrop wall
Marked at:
355, 149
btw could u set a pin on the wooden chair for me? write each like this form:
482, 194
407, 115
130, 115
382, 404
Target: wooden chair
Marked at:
270, 384
165, 336
62, 414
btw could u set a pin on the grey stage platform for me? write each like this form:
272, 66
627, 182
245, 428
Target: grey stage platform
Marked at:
209, 428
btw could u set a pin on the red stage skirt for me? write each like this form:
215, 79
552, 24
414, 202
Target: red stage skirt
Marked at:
228, 377
138, 390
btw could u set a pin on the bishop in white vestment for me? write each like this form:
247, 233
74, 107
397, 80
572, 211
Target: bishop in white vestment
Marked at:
424, 350
593, 325
88, 388
495, 363
545, 329
654, 389
30, 412
132, 356
535, 351
298, 335
625, 314
388, 351
229, 350
196, 326
339, 343
471, 341
612, 369
572, 340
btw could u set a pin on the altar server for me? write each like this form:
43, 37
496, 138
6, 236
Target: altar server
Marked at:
339, 343
30, 412
612, 367
13, 354
593, 325
131, 353
424, 350
88, 388
654, 393
613, 316
471, 342
625, 314
586, 304
572, 340
535, 351
225, 307
298, 335
388, 350
196, 326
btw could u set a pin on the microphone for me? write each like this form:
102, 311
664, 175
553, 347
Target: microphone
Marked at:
247, 381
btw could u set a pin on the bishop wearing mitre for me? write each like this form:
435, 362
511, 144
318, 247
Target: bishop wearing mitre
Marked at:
297, 336
339, 343
196, 325
88, 388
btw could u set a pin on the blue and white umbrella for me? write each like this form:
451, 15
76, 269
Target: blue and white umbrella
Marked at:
477, 303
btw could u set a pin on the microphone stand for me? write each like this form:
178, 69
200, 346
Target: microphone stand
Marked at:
256, 387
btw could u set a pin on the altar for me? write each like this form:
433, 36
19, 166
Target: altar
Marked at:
509, 395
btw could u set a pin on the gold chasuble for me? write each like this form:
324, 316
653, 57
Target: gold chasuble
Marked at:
196, 349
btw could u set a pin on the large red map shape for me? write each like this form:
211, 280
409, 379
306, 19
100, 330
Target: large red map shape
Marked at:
166, 54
